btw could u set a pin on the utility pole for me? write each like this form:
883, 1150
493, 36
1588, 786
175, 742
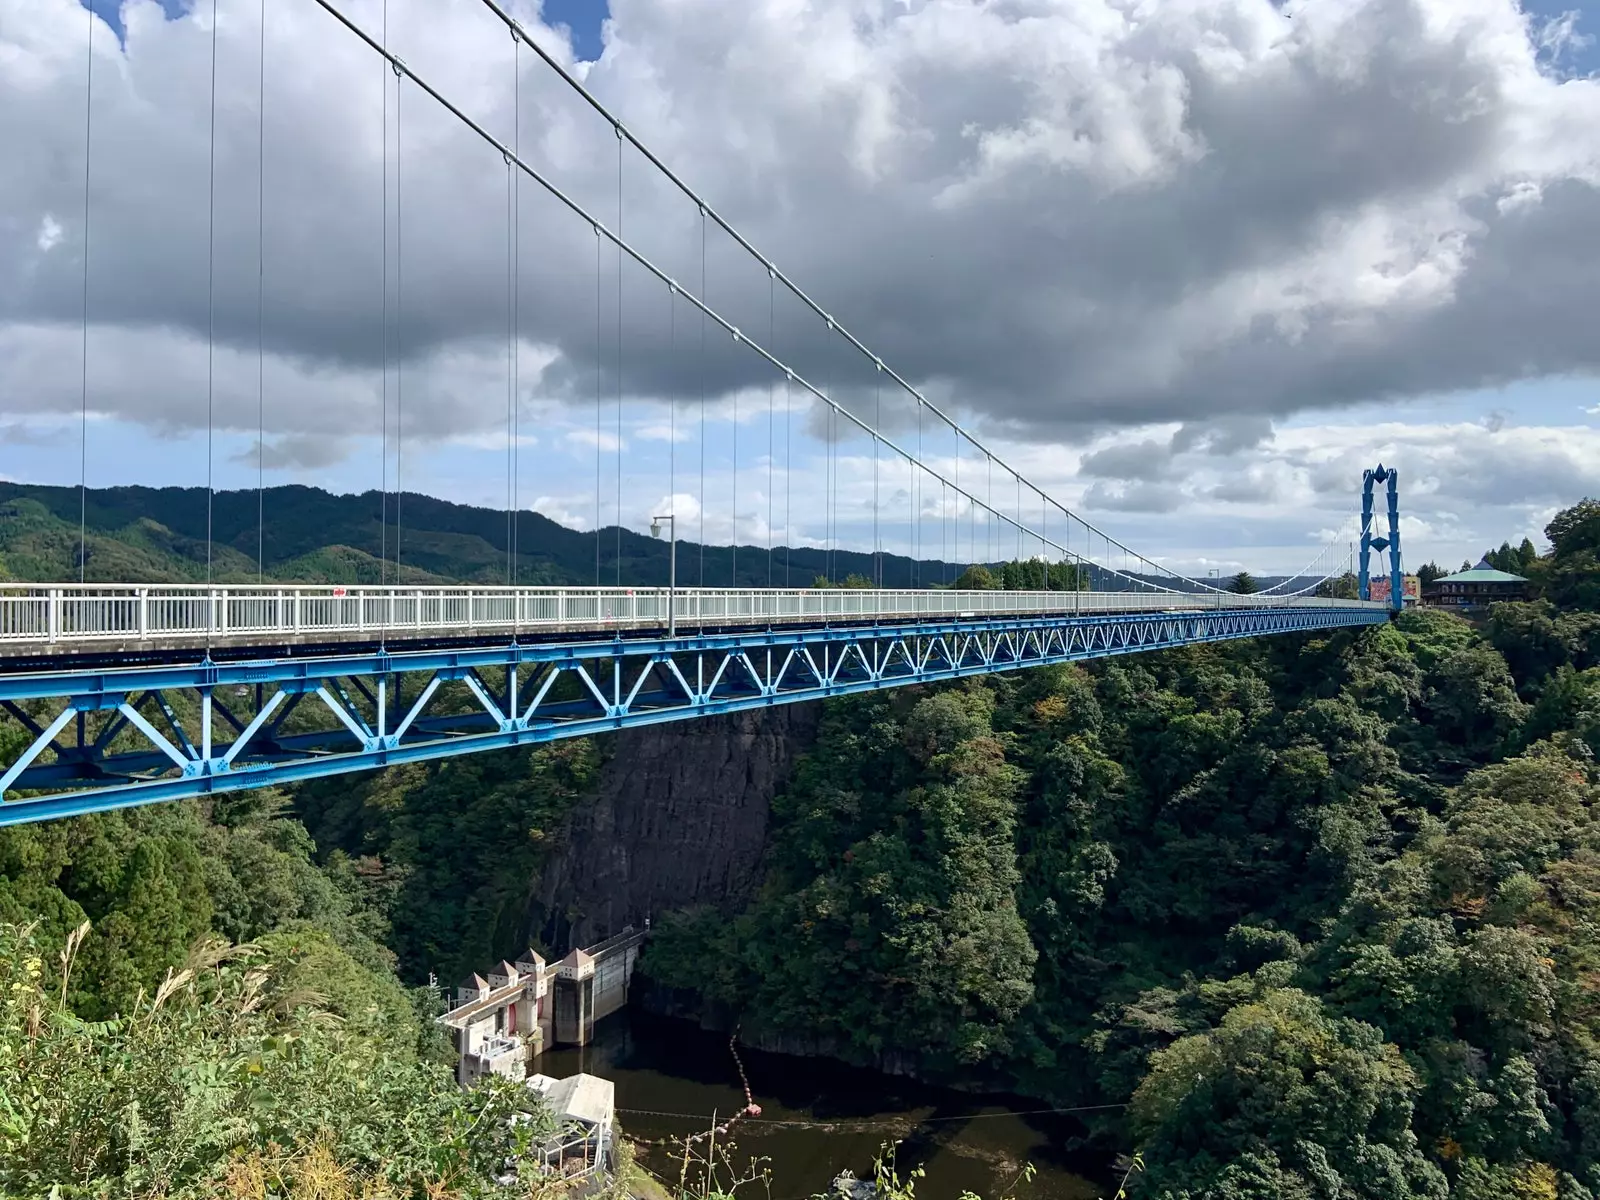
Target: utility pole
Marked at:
672, 568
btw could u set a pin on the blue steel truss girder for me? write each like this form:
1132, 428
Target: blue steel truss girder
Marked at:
692, 677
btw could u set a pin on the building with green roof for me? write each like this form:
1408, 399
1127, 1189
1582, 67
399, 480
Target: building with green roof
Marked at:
1475, 588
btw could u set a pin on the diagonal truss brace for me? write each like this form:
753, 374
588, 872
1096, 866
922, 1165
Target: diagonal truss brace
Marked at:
551, 690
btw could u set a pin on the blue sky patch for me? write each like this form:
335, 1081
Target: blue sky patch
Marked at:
584, 18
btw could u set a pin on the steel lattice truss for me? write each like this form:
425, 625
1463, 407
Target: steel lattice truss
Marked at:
107, 739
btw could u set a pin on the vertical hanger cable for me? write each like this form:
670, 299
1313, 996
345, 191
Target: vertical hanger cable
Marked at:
399, 326
83, 397
261, 299
702, 398
516, 311
211, 310
772, 391
383, 325
598, 274
619, 357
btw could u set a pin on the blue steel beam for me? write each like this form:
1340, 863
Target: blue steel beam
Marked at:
692, 677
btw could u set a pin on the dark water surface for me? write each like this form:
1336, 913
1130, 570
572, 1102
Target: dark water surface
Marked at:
819, 1117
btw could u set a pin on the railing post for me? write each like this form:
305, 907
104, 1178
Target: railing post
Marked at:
53, 613
144, 614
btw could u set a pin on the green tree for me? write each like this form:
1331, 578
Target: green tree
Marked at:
1244, 583
1282, 1099
1571, 574
230, 1072
976, 578
889, 926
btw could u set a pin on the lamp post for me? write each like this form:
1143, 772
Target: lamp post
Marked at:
672, 569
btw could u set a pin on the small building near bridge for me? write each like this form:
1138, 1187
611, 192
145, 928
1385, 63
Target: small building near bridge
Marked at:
584, 1107
1478, 587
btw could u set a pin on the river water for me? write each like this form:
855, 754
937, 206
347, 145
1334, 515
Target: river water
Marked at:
819, 1117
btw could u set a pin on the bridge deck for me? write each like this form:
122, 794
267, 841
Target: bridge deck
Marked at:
112, 727
109, 619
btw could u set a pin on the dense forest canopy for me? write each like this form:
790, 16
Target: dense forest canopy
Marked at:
1323, 912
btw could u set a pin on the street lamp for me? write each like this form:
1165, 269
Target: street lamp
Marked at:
672, 569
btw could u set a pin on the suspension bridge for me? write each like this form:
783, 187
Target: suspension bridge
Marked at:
128, 693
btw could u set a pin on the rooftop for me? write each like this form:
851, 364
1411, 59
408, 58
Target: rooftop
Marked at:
586, 1098
1482, 573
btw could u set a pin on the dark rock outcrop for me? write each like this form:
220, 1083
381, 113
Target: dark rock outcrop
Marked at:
680, 819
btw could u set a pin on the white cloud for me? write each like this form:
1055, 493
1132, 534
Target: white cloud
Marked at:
49, 236
604, 439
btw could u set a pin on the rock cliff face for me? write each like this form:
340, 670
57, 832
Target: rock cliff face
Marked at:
680, 818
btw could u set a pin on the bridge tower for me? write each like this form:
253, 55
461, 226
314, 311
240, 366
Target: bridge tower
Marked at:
1369, 543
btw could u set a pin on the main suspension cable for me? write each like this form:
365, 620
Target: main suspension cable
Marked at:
705, 308
794, 288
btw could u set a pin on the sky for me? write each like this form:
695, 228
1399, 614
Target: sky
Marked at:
1189, 267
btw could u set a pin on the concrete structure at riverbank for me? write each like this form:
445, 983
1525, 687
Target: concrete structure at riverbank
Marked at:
499, 1023
592, 984
502, 1023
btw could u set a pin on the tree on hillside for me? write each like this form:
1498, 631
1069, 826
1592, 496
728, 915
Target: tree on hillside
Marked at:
1339, 587
1283, 1099
977, 578
1571, 573
1517, 560
1244, 583
1575, 529
1428, 572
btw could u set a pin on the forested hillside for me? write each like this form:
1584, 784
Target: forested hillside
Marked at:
1325, 912
190, 1006
158, 535
1322, 913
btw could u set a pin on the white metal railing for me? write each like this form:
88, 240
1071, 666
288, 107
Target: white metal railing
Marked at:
47, 615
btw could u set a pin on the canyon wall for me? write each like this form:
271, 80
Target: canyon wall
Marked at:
679, 818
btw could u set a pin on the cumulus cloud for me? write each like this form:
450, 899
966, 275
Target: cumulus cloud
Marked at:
1064, 212
1129, 238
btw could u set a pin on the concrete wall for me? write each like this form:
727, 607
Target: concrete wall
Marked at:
578, 1003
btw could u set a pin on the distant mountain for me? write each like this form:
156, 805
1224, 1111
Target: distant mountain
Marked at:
158, 535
